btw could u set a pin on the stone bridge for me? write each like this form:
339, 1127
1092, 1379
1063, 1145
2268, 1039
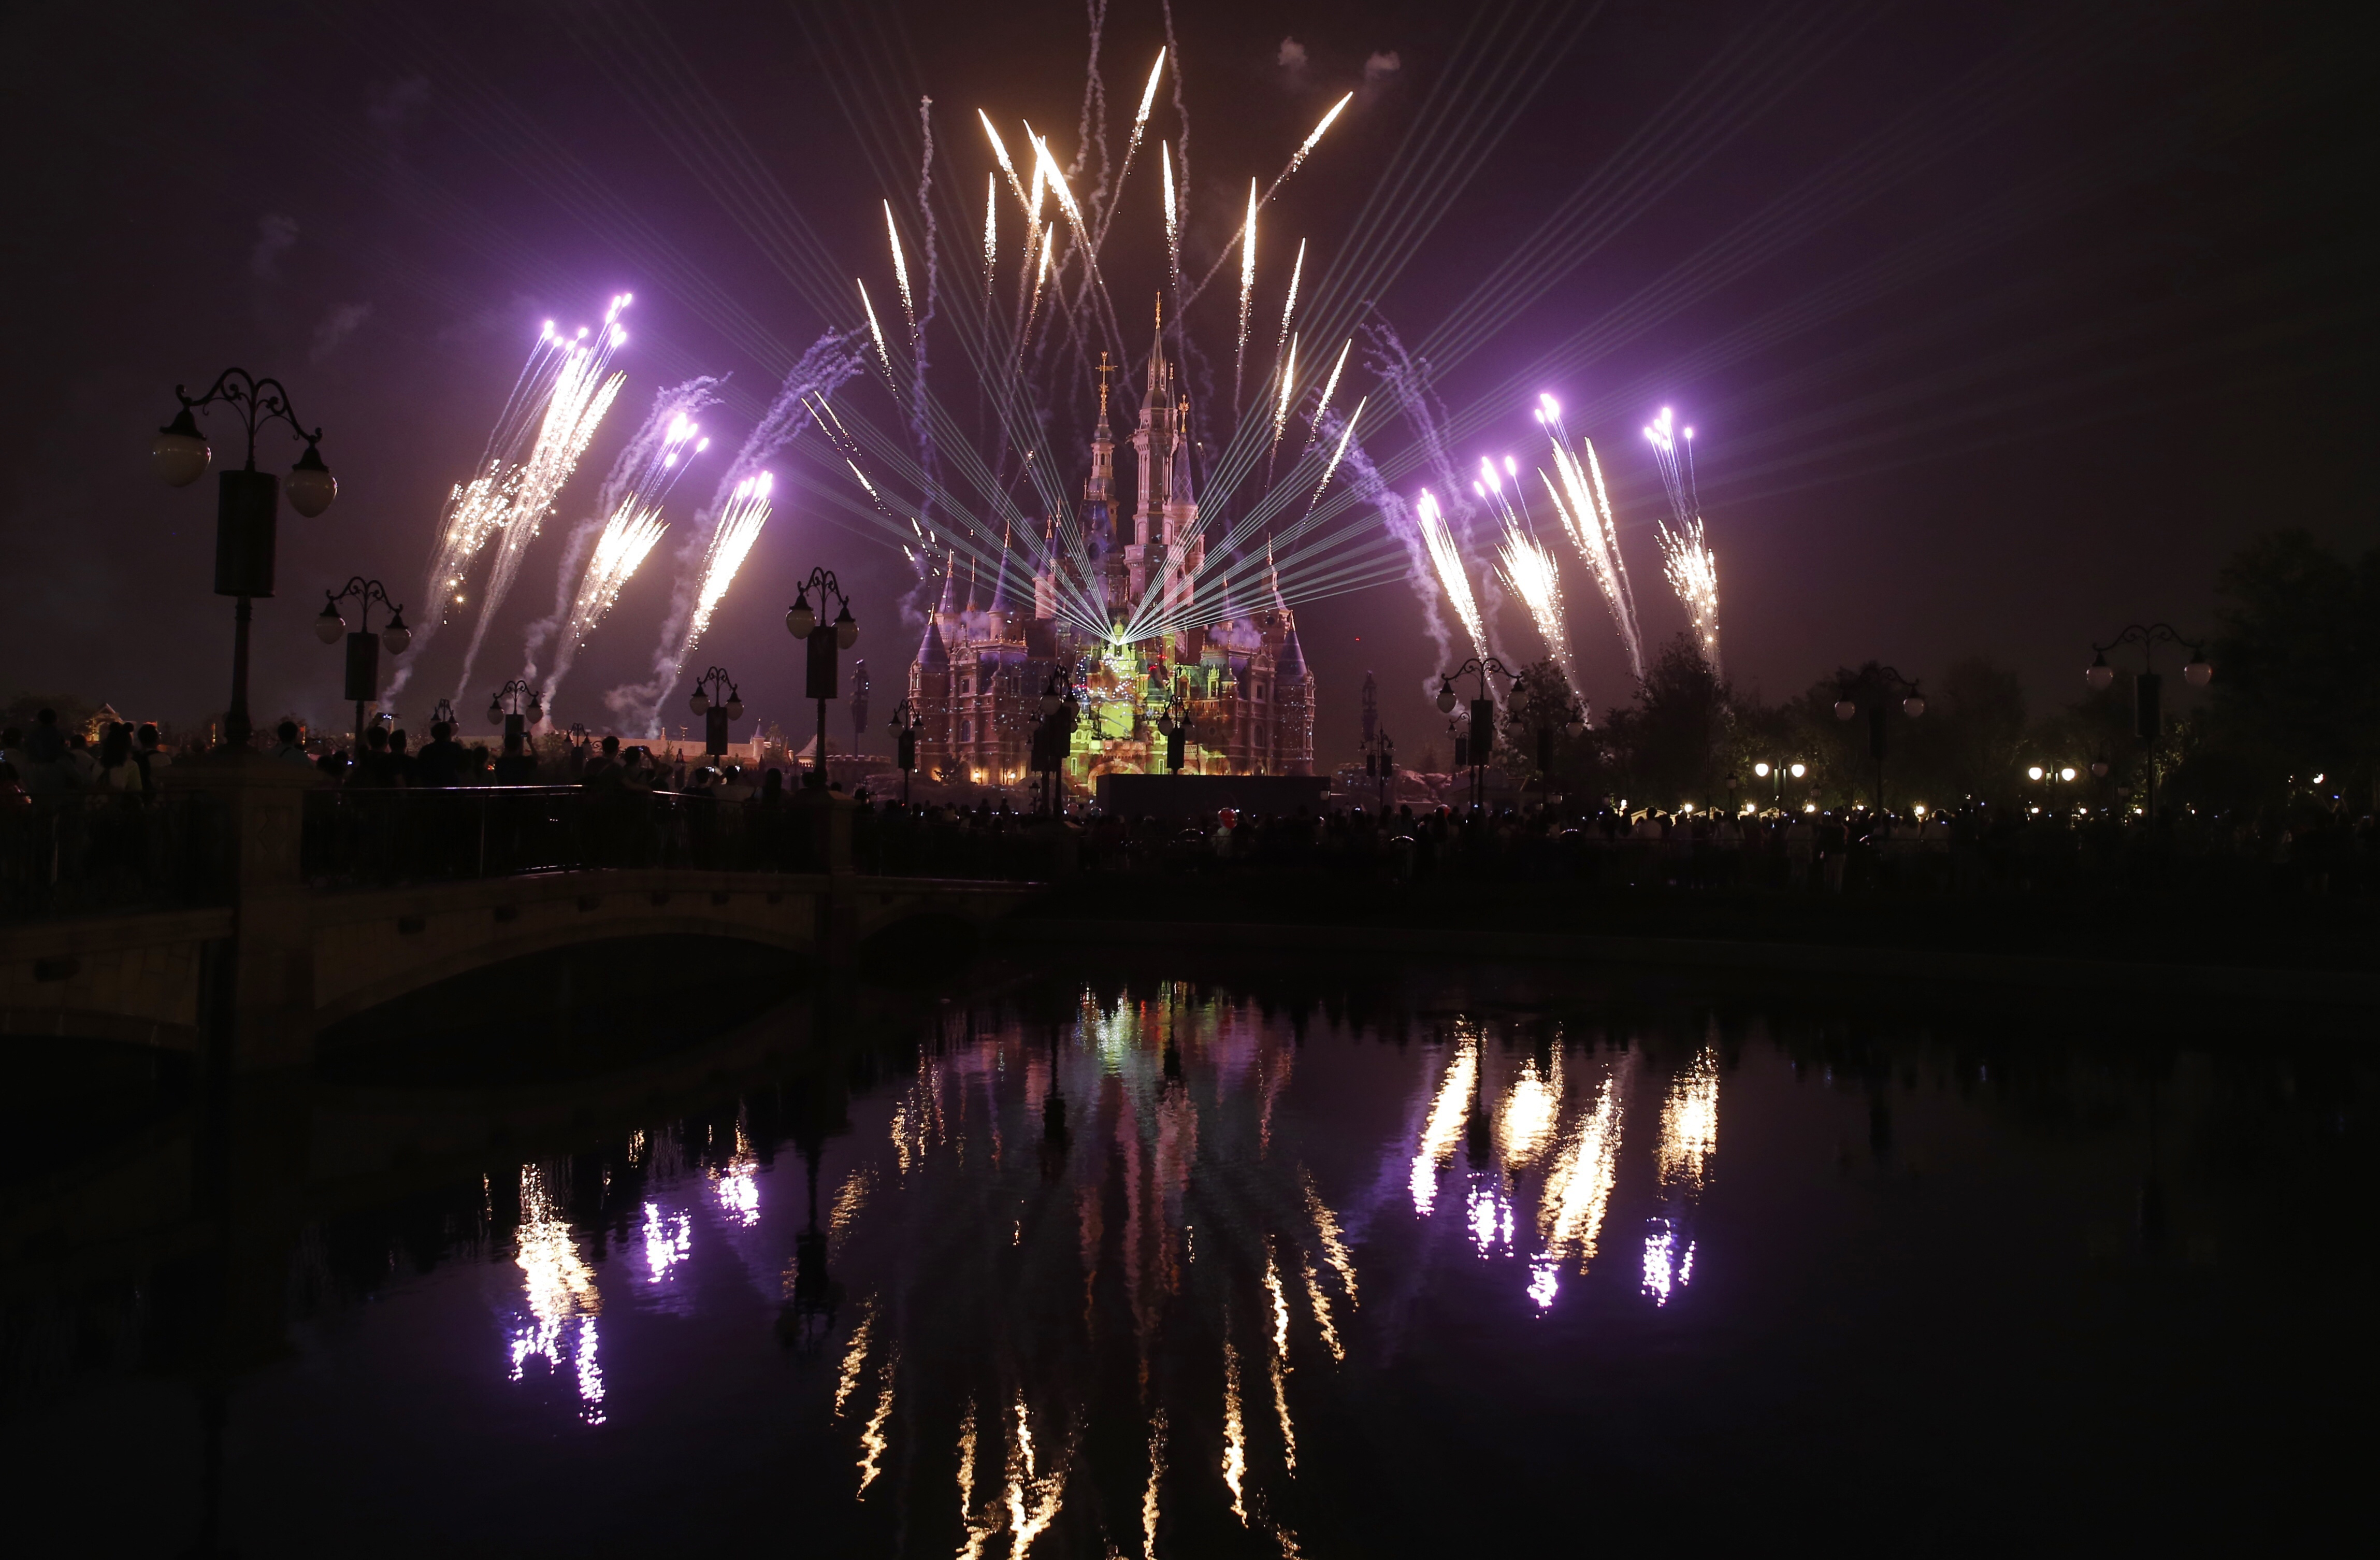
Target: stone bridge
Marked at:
278, 961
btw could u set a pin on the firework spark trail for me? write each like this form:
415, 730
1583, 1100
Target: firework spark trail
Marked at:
1288, 392
583, 392
1289, 304
1247, 294
1322, 408
1297, 161
1139, 128
1447, 558
476, 511
607, 547
1687, 558
830, 362
990, 235
1586, 512
901, 273
1173, 230
921, 428
739, 527
883, 356
1530, 570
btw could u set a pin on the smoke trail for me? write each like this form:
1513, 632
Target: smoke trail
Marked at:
831, 359
1363, 479
646, 467
1406, 378
920, 421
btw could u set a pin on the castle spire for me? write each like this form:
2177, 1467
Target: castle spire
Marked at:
950, 581
999, 582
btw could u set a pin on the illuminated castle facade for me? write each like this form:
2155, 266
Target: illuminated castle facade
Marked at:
990, 644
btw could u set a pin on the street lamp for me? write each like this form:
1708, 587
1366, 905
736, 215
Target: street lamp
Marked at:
1874, 687
824, 640
1483, 719
1175, 729
363, 645
2148, 688
904, 743
245, 504
1381, 762
1775, 774
516, 707
1058, 708
714, 711
1546, 714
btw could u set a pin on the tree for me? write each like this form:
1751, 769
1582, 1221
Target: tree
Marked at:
2296, 676
1673, 744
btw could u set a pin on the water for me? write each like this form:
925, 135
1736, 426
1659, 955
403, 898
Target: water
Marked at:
1292, 1262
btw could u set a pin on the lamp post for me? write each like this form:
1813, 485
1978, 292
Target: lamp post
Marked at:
2148, 688
1381, 762
824, 641
1483, 720
1874, 688
1775, 774
1546, 714
904, 744
516, 707
1058, 708
1175, 729
443, 714
363, 646
246, 504
713, 710
2053, 774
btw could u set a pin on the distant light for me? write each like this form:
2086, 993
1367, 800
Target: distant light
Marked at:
2032, 772
2318, 779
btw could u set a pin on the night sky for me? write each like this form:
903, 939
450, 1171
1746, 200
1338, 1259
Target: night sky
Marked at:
2000, 326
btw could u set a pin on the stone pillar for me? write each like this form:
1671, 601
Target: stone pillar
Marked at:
253, 810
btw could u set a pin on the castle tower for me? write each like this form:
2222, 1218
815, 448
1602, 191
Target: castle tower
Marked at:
929, 683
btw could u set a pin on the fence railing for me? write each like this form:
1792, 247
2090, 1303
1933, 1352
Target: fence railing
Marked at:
93, 852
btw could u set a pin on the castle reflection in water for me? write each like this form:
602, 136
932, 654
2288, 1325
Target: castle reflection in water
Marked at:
1122, 1225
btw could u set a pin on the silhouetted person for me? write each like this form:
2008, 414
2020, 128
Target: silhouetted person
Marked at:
440, 762
517, 767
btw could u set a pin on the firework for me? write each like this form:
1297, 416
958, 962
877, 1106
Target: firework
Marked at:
901, 270
479, 510
1687, 558
1451, 576
739, 527
582, 394
1584, 507
1297, 159
1247, 291
990, 233
876, 332
1529, 566
1288, 388
607, 548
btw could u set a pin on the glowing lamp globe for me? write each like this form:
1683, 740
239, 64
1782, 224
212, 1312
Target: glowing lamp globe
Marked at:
846, 629
1445, 697
1761, 770
2067, 773
1845, 709
496, 714
310, 487
1913, 706
734, 705
536, 709
799, 618
2099, 675
330, 625
2198, 672
700, 703
2032, 772
180, 454
2098, 769
1799, 770
397, 636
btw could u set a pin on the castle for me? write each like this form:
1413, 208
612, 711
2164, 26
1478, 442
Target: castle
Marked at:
1240, 682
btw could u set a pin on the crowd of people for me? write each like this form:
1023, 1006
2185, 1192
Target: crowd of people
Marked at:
83, 822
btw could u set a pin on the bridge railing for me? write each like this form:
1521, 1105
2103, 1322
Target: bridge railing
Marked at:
89, 852
382, 838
